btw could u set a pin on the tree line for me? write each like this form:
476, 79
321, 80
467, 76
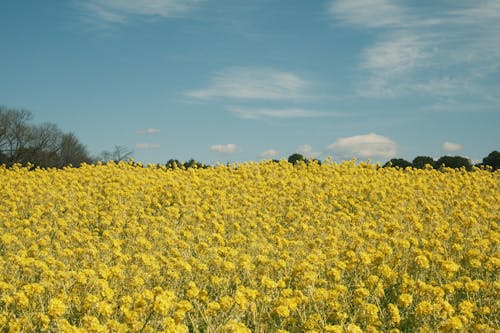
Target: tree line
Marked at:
44, 145
420, 162
47, 146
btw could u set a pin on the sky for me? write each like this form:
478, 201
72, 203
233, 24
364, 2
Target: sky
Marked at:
240, 80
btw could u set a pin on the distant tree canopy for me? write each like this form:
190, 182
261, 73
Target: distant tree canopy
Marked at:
398, 162
493, 160
455, 162
41, 145
295, 158
420, 162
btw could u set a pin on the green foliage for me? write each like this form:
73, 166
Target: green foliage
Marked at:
296, 158
493, 160
398, 162
455, 162
420, 162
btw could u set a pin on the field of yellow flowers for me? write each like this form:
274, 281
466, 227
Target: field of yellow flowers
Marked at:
255, 247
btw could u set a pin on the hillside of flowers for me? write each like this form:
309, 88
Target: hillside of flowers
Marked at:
255, 247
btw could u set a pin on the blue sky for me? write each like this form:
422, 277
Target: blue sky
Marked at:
232, 81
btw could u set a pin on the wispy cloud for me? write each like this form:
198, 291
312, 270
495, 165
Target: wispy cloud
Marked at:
478, 12
229, 148
364, 146
398, 54
415, 51
102, 12
253, 84
270, 153
368, 13
147, 145
460, 106
261, 113
148, 131
451, 146
444, 86
307, 151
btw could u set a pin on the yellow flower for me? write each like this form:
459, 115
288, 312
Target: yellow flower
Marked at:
422, 261
163, 302
192, 291
235, 327
454, 323
43, 320
424, 308
352, 328
105, 308
395, 315
282, 311
268, 283
405, 300
226, 303
213, 308
56, 307
334, 329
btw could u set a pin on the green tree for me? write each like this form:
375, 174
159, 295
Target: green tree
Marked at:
455, 162
172, 164
295, 158
420, 162
398, 162
493, 160
192, 163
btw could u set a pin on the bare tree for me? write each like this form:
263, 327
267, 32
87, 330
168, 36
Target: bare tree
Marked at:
42, 145
71, 151
14, 132
119, 153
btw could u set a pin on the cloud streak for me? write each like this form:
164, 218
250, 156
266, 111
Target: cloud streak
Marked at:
121, 11
269, 154
147, 145
451, 146
368, 13
262, 113
252, 84
307, 151
229, 148
148, 131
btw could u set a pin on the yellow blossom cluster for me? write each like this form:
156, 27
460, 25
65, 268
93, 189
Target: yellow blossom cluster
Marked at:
254, 247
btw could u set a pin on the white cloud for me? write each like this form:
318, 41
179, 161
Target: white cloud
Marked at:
383, 86
149, 131
119, 11
451, 146
269, 154
479, 12
307, 151
253, 84
368, 13
364, 146
147, 145
415, 49
229, 148
446, 86
395, 55
260, 113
